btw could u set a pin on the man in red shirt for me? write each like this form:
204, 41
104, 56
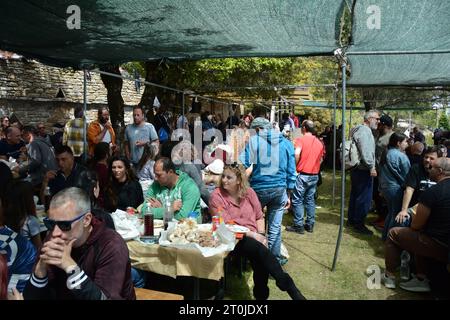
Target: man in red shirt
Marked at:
309, 153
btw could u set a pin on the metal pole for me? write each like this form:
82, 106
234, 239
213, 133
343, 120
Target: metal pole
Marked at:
182, 103
84, 115
341, 225
334, 146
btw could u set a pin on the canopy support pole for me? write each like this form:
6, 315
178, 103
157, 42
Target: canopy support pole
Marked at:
341, 225
84, 116
334, 145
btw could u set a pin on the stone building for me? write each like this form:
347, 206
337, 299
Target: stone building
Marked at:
35, 92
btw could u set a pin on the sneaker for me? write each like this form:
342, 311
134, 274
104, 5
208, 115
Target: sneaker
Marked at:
416, 285
283, 261
362, 229
388, 282
308, 228
298, 229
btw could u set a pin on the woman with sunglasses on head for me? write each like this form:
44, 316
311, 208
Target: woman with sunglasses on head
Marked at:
240, 204
123, 190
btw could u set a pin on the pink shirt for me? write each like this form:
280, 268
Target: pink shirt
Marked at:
244, 214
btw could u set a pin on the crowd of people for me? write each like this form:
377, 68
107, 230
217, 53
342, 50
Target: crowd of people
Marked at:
248, 169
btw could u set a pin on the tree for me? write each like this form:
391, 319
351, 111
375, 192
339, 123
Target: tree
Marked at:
114, 96
443, 122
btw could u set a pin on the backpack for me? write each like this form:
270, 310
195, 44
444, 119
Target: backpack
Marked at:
351, 153
163, 135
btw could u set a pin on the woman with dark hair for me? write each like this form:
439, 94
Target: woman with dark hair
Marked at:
394, 166
88, 181
123, 190
19, 252
99, 163
19, 211
239, 203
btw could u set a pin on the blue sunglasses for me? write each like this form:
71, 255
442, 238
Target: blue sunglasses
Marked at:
64, 225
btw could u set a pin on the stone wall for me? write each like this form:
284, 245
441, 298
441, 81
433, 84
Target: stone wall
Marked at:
29, 89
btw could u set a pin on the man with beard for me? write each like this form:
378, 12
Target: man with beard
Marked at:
362, 176
417, 181
101, 131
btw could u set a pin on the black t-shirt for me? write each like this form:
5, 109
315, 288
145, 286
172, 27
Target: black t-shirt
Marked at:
437, 198
418, 179
10, 150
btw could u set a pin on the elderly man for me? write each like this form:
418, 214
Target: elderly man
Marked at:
182, 190
81, 258
362, 175
101, 131
12, 145
428, 235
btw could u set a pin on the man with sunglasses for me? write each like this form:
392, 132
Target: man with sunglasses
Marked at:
81, 258
362, 176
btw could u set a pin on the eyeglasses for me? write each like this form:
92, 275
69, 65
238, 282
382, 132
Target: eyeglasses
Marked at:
65, 225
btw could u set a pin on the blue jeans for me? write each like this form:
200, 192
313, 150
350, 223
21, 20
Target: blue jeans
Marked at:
303, 198
139, 277
275, 200
360, 196
394, 197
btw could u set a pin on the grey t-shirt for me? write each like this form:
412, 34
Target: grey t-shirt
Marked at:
133, 133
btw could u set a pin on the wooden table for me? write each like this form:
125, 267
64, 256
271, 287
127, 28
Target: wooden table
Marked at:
147, 294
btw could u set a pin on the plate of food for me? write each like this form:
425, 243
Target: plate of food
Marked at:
237, 228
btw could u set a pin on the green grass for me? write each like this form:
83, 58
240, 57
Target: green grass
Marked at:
311, 258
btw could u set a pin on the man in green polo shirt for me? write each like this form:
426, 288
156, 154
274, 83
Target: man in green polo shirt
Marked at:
182, 190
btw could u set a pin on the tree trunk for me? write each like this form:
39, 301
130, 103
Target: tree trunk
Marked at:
158, 72
370, 95
115, 101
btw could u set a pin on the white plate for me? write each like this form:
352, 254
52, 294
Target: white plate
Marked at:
237, 229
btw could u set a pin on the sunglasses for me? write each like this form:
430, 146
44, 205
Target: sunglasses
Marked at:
63, 225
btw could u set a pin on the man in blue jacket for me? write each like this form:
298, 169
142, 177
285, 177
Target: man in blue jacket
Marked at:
271, 157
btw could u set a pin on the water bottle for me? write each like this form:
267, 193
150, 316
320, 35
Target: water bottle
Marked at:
404, 265
168, 211
47, 198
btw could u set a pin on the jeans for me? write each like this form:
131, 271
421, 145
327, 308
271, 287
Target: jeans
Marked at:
275, 200
360, 196
303, 198
394, 197
139, 277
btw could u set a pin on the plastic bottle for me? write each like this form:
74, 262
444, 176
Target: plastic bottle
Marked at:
404, 265
168, 211
47, 198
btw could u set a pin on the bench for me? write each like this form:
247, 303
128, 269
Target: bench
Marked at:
147, 294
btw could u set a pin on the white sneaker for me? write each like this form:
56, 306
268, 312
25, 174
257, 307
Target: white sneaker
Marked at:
416, 285
388, 281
